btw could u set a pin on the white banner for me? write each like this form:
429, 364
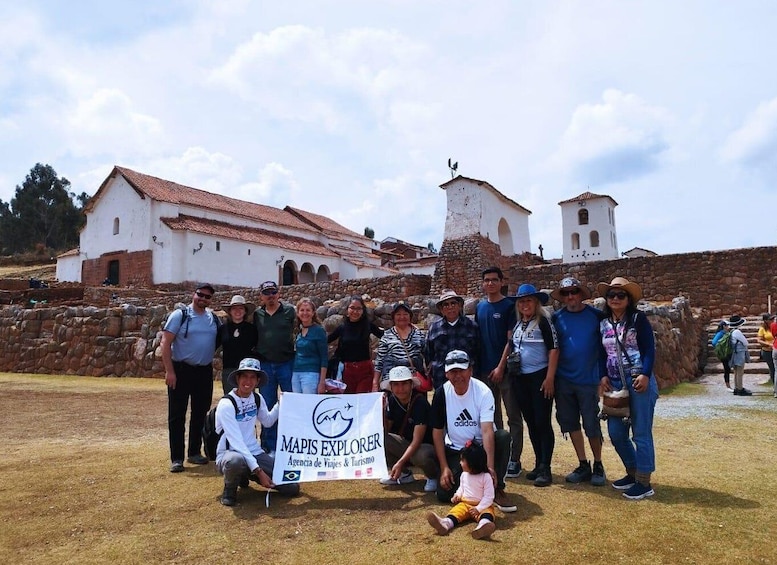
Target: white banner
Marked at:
330, 437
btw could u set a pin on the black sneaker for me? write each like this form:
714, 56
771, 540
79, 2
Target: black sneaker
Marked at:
544, 478
582, 473
625, 483
532, 475
176, 467
598, 478
197, 459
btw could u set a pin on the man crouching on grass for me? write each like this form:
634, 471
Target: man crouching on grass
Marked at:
239, 457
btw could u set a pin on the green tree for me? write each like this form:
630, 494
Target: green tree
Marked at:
43, 212
369, 232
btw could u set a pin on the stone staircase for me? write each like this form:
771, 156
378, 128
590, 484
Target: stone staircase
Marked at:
750, 330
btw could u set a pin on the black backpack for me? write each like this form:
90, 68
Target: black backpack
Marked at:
211, 437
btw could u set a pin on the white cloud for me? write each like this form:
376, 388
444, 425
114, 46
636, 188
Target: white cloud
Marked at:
276, 186
754, 143
619, 139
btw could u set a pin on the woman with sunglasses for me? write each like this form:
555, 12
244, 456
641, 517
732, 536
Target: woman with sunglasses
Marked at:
353, 347
630, 352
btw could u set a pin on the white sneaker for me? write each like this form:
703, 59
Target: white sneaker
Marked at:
437, 523
431, 485
484, 530
405, 478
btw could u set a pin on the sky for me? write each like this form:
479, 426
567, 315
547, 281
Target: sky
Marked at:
351, 109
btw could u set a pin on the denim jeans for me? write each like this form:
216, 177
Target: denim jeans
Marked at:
637, 452
278, 375
305, 382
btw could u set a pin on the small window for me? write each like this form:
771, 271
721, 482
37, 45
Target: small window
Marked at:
575, 241
115, 226
582, 217
594, 238
249, 252
218, 246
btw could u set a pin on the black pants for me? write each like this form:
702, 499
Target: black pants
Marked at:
195, 382
767, 356
536, 410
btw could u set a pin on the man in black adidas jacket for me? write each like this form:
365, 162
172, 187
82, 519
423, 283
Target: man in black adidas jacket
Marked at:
462, 411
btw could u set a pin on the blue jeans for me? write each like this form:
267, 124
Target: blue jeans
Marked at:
278, 374
637, 453
305, 382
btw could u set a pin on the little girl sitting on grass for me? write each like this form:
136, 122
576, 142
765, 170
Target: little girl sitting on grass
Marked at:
474, 498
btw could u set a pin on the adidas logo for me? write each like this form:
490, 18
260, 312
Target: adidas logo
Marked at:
465, 419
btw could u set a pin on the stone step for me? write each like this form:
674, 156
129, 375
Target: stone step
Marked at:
755, 368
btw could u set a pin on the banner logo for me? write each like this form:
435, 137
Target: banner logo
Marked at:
332, 417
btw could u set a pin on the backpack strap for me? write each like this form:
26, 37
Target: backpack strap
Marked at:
234, 403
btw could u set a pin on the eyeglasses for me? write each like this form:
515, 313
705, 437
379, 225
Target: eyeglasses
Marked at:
203, 295
570, 292
619, 295
448, 304
270, 292
355, 308
490, 281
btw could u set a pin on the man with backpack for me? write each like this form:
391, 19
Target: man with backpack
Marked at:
721, 344
188, 345
239, 457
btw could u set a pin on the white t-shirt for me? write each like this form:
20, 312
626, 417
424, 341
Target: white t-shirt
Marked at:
461, 416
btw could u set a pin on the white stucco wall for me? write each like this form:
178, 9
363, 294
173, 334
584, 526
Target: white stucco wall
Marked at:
601, 218
473, 209
69, 269
118, 201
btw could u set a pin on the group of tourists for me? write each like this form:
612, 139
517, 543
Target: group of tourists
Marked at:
513, 352
732, 349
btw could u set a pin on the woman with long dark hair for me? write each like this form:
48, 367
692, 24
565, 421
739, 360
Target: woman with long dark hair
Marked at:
630, 350
353, 347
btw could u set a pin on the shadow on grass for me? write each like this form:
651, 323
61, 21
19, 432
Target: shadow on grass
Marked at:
701, 497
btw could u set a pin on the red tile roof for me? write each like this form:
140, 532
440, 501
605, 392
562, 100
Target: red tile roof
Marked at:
587, 196
322, 222
246, 234
174, 193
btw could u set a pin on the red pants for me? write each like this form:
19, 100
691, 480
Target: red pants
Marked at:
357, 375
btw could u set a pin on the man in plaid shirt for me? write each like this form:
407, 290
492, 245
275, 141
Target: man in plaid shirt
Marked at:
453, 331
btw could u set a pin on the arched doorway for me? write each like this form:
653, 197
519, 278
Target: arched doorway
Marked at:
306, 273
289, 272
323, 274
505, 237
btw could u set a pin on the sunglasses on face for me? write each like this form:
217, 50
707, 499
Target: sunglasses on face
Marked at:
203, 295
570, 292
271, 292
619, 295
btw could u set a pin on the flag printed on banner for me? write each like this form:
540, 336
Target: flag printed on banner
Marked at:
329, 438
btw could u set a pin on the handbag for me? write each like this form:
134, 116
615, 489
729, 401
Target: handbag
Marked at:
425, 383
617, 403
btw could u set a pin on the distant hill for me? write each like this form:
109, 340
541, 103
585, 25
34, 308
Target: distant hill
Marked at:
45, 272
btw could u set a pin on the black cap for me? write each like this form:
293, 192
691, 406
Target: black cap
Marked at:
205, 285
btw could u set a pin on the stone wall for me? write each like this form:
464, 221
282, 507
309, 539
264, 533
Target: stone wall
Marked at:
722, 283
461, 261
124, 340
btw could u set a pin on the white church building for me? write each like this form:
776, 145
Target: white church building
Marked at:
588, 227
145, 230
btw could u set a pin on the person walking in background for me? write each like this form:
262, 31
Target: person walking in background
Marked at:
188, 345
630, 349
723, 329
311, 356
534, 341
495, 317
740, 356
353, 346
773, 328
765, 339
453, 331
238, 337
275, 322
577, 377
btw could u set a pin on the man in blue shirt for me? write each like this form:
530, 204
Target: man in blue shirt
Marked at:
188, 345
577, 377
495, 317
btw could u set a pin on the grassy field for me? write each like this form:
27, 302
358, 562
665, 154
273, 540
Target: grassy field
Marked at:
85, 479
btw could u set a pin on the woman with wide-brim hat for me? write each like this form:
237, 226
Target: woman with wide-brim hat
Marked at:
630, 351
740, 354
401, 345
237, 337
534, 342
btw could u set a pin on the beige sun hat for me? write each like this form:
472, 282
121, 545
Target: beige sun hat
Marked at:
631, 288
238, 300
448, 294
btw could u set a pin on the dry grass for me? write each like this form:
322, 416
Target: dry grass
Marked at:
46, 272
85, 480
